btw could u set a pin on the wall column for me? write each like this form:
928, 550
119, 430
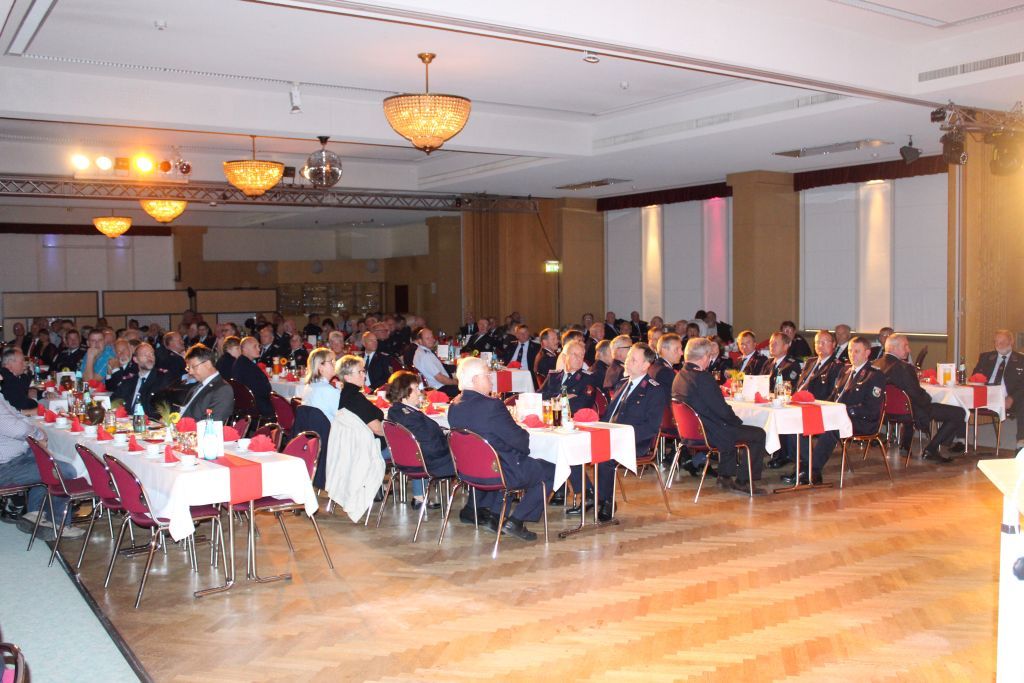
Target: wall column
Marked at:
765, 250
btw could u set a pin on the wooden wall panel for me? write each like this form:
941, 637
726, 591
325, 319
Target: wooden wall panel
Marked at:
50, 304
434, 280
146, 301
236, 300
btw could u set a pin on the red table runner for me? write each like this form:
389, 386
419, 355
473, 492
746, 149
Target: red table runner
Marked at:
600, 443
246, 478
813, 421
504, 381
980, 397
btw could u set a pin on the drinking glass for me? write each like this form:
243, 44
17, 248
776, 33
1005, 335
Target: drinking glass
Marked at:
546, 405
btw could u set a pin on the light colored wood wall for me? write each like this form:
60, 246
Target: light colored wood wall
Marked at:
434, 280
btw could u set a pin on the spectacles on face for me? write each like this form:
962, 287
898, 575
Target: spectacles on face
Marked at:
192, 368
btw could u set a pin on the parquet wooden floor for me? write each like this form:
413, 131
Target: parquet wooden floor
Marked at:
875, 582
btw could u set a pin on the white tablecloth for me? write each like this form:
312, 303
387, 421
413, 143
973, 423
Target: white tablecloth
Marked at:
172, 490
789, 419
285, 388
962, 396
522, 381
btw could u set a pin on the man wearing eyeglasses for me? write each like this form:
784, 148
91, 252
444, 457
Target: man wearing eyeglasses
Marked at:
210, 392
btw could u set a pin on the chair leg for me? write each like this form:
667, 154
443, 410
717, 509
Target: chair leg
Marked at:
544, 491
671, 477
501, 523
383, 502
117, 548
750, 469
39, 518
423, 507
60, 532
451, 497
703, 474
885, 457
664, 491
284, 530
842, 465
88, 535
149, 563
622, 488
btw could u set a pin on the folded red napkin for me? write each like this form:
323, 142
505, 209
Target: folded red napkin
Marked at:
50, 416
725, 391
133, 444
41, 410
727, 383
437, 396
185, 425
231, 434
121, 412
103, 435
928, 373
169, 455
584, 415
76, 426
533, 421
431, 410
803, 397
49, 384
381, 403
978, 377
96, 385
514, 365
291, 377
261, 443
758, 398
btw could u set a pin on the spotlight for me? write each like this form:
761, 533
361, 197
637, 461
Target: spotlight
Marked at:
184, 167
104, 163
939, 115
1005, 156
80, 161
143, 164
296, 98
910, 153
165, 166
953, 147
590, 57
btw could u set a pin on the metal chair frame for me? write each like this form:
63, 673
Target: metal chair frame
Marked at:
867, 440
699, 441
40, 452
887, 419
398, 469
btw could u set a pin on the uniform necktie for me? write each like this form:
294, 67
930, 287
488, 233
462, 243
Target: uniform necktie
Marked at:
849, 380
622, 399
366, 378
1000, 369
521, 354
138, 390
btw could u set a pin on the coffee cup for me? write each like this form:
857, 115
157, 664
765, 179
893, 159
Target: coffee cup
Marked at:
62, 422
153, 450
188, 460
242, 444
90, 430
120, 438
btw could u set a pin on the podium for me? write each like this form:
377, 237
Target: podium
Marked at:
1008, 477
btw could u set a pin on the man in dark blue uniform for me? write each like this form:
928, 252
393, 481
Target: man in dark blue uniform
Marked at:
696, 388
547, 357
579, 385
781, 365
670, 352
475, 410
820, 374
861, 388
639, 401
71, 353
750, 362
141, 380
620, 347
377, 362
248, 373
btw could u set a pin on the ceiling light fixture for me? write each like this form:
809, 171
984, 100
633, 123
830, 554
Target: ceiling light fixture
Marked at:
163, 210
112, 226
323, 168
80, 161
296, 98
909, 153
104, 163
253, 176
143, 163
590, 57
850, 146
427, 120
953, 147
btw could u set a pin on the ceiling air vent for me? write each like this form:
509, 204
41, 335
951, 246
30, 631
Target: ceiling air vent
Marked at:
833, 149
971, 67
593, 183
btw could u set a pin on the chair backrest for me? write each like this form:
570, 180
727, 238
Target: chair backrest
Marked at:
476, 461
129, 489
272, 431
668, 422
12, 664
99, 475
919, 361
511, 400
295, 402
48, 472
600, 401
897, 402
283, 410
245, 402
306, 446
688, 423
310, 419
241, 426
406, 453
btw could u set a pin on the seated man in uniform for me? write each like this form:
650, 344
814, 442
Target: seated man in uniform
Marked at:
579, 385
141, 381
670, 352
781, 366
696, 388
751, 362
620, 347
900, 372
1006, 366
797, 344
16, 384
475, 410
547, 357
862, 388
248, 373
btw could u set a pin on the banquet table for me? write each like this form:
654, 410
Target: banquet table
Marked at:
512, 381
285, 388
970, 397
789, 419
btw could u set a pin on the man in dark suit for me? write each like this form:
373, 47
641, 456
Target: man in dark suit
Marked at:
1006, 366
473, 409
899, 372
210, 393
639, 401
524, 350
620, 347
547, 357
297, 352
637, 327
611, 325
483, 340
820, 374
378, 363
878, 349
71, 354
579, 385
843, 334
141, 380
724, 429
861, 387
172, 356
781, 367
231, 349
16, 384
670, 353
717, 328
268, 345
751, 362
797, 345
470, 327
248, 373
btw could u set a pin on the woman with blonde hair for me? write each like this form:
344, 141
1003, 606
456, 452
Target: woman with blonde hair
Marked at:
318, 390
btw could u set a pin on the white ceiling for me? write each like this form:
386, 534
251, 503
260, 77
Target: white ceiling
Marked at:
662, 108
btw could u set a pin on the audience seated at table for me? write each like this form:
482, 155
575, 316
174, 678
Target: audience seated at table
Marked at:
547, 357
861, 387
723, 428
211, 393
670, 352
98, 355
602, 361
580, 386
317, 390
247, 372
878, 347
172, 356
123, 363
821, 372
43, 349
475, 410
377, 362
781, 366
899, 371
843, 333
1005, 366
141, 381
71, 353
231, 349
435, 376
523, 350
751, 361
720, 362
594, 333
269, 346
798, 347
620, 347
17, 382
351, 371
297, 354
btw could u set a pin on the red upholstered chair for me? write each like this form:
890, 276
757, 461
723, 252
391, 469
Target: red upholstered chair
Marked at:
272, 431
245, 402
667, 432
307, 447
867, 440
899, 411
295, 402
643, 461
241, 425
600, 402
691, 432
284, 411
138, 511
104, 492
407, 458
73, 489
478, 467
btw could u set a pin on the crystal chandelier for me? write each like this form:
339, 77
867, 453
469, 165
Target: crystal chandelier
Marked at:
253, 176
427, 120
323, 168
112, 226
163, 210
